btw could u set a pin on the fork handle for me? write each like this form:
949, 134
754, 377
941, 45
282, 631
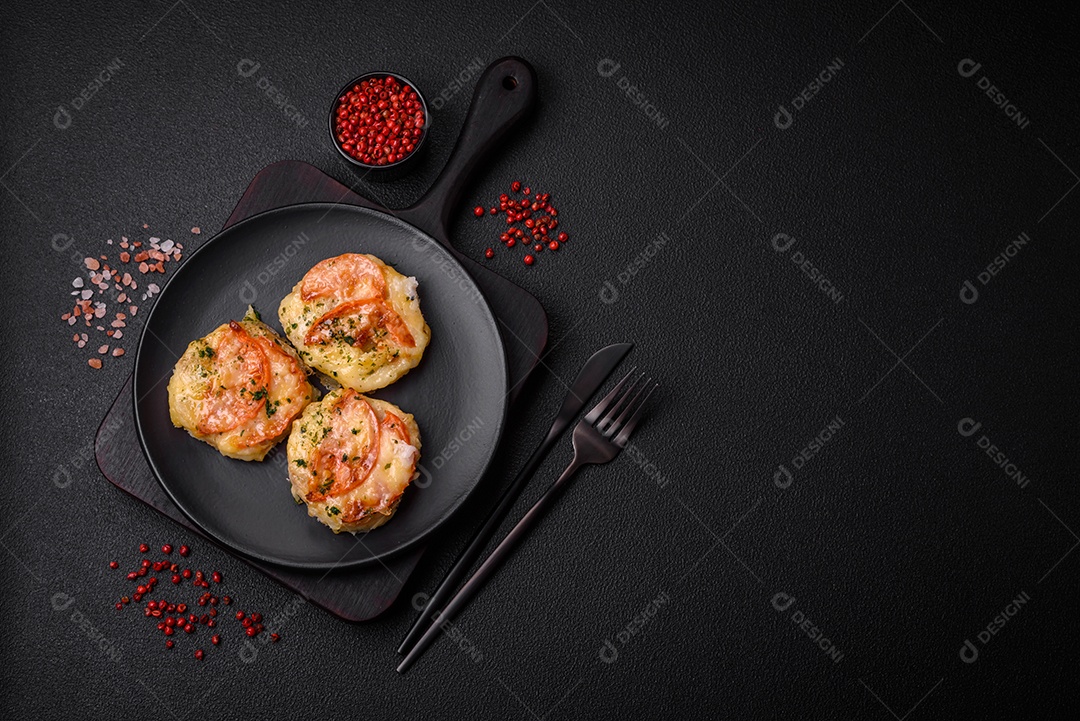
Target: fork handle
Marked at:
506, 546
491, 564
478, 543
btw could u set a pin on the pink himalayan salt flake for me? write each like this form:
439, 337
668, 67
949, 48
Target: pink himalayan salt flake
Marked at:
133, 309
196, 230
92, 263
117, 352
103, 349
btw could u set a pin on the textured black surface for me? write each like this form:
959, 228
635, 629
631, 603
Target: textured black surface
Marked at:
899, 180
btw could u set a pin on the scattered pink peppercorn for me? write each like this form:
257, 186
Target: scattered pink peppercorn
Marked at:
534, 214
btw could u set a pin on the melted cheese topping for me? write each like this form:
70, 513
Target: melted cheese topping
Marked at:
357, 320
351, 458
239, 389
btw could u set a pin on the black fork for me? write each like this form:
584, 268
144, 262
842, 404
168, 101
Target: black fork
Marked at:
598, 438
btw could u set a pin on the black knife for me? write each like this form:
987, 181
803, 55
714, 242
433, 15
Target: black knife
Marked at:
591, 377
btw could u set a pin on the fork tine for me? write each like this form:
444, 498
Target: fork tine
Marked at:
603, 404
614, 426
624, 434
620, 404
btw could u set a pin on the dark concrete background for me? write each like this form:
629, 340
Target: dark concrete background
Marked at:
898, 181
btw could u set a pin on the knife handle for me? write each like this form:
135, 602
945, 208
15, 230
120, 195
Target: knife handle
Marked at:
491, 564
479, 542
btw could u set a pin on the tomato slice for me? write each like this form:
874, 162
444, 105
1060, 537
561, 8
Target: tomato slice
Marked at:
295, 390
394, 426
356, 322
393, 323
391, 425
237, 389
347, 454
351, 276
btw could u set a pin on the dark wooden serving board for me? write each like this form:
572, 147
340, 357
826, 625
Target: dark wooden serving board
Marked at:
361, 593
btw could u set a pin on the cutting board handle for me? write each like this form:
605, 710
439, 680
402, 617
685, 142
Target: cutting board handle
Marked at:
505, 92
